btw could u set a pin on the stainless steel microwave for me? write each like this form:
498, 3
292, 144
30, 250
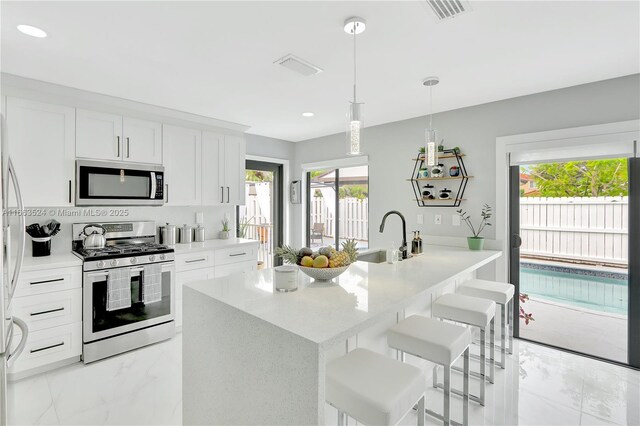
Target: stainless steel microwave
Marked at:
105, 183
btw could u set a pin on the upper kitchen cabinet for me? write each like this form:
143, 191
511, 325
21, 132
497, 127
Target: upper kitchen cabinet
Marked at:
103, 136
182, 149
98, 135
42, 147
223, 169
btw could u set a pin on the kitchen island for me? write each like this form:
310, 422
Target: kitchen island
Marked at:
252, 355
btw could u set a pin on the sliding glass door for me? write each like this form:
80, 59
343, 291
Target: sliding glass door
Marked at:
337, 207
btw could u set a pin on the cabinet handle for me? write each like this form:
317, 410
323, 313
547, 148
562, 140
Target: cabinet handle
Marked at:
33, 351
237, 254
195, 260
118, 146
128, 147
50, 311
46, 281
227, 194
166, 192
69, 191
222, 194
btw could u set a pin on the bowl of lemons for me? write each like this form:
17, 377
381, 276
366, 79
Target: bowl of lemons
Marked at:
324, 264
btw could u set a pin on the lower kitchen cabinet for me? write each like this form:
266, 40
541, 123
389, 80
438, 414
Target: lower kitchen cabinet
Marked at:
185, 277
225, 270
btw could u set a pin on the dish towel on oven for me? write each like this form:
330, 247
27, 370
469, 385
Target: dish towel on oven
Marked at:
152, 283
118, 289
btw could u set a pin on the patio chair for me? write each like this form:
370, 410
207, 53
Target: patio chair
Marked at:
317, 232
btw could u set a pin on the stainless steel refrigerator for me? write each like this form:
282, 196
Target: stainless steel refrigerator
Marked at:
9, 271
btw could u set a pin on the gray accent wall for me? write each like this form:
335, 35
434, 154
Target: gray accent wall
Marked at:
391, 147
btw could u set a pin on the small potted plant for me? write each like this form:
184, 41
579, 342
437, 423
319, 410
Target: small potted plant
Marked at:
224, 234
476, 242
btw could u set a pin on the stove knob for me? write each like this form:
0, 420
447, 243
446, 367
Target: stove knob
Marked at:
114, 262
133, 260
152, 258
163, 257
101, 264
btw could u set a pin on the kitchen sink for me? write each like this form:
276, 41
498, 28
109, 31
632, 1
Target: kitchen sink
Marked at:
379, 256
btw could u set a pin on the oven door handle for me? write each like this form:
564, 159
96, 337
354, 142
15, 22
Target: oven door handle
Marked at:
98, 274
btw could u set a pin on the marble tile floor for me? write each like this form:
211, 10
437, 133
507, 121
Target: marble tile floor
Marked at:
541, 386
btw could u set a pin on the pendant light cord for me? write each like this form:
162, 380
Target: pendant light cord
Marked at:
355, 24
431, 107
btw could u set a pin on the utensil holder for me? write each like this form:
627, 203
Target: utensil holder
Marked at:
41, 247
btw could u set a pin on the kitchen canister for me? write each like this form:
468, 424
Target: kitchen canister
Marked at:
285, 278
186, 234
168, 234
199, 233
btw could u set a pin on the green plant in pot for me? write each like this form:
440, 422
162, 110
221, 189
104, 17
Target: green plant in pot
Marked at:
476, 242
226, 228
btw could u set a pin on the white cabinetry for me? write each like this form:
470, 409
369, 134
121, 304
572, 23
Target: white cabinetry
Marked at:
182, 152
42, 146
50, 302
191, 267
104, 136
223, 169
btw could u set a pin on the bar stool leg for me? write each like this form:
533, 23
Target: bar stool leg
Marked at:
341, 418
503, 337
492, 349
483, 362
465, 389
446, 413
421, 410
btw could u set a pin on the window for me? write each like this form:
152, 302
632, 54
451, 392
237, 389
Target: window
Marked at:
338, 206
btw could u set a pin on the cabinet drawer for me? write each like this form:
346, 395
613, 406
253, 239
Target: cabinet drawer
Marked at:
237, 254
185, 277
190, 261
49, 310
225, 270
39, 282
48, 346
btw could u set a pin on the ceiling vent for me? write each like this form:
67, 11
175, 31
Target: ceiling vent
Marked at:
298, 65
446, 9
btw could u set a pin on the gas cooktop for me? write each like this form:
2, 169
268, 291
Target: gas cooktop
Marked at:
121, 250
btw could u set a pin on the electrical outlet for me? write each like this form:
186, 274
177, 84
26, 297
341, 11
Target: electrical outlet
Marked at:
438, 219
455, 220
420, 219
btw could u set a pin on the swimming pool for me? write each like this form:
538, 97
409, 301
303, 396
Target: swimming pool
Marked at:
604, 292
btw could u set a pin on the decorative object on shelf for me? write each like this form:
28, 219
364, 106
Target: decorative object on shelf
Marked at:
437, 171
427, 192
445, 194
423, 173
355, 123
430, 134
456, 150
476, 242
224, 234
441, 146
443, 171
322, 265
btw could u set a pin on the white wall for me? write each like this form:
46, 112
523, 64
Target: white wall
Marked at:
391, 146
269, 147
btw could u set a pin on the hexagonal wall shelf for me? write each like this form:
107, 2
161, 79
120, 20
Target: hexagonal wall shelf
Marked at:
428, 186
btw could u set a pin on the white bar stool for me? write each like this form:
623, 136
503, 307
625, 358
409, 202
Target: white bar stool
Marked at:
502, 294
474, 312
374, 389
438, 342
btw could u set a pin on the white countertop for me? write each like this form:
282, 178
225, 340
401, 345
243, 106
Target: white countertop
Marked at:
323, 313
60, 260
211, 245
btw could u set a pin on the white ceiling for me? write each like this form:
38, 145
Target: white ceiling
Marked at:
216, 58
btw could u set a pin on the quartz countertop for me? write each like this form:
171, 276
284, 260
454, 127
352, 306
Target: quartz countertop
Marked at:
324, 312
211, 245
59, 260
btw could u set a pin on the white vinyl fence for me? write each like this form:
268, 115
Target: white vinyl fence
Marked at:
592, 229
354, 217
260, 229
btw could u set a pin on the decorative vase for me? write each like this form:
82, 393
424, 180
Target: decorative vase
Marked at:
223, 235
475, 243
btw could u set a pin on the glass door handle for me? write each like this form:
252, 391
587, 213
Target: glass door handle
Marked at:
516, 241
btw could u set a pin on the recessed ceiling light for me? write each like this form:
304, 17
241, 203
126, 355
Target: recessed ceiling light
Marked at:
32, 31
308, 114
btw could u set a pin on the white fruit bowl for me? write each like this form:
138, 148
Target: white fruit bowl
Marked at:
323, 274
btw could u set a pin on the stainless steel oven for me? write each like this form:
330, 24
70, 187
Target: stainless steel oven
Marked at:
118, 183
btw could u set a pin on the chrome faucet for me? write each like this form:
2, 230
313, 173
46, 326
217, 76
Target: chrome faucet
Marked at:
403, 247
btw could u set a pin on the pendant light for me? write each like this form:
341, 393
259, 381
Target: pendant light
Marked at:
430, 149
355, 123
